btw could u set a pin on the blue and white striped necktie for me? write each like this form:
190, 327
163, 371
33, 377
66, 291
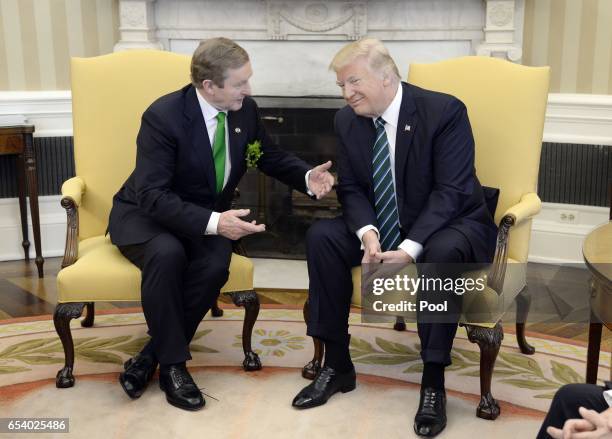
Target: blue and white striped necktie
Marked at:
384, 192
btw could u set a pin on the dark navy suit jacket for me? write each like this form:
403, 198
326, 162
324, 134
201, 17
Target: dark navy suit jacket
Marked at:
436, 183
172, 188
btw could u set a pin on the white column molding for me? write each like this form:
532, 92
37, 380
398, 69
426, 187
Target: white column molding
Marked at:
137, 25
504, 18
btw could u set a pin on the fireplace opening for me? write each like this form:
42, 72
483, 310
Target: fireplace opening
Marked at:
303, 126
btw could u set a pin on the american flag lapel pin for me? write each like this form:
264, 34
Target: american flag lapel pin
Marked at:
407, 127
237, 130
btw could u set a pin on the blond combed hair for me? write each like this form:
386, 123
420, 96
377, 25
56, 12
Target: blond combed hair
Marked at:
370, 48
212, 59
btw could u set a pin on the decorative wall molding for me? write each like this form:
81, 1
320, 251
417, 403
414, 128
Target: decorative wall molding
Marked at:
301, 20
49, 111
570, 118
501, 39
579, 118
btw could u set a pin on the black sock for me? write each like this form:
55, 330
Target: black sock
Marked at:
337, 355
148, 350
163, 368
433, 376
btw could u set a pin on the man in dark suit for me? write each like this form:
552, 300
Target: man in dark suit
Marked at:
579, 411
172, 216
409, 192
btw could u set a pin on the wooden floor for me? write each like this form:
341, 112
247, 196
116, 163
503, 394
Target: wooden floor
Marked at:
22, 294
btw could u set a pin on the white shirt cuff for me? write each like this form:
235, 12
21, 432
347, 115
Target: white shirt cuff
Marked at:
608, 397
362, 232
308, 191
413, 248
213, 222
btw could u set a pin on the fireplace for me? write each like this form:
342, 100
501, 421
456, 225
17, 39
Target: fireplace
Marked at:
303, 126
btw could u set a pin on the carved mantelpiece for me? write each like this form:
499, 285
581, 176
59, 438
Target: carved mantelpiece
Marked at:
292, 41
137, 25
329, 20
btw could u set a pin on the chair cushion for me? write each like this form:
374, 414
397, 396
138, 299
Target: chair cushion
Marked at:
102, 273
482, 309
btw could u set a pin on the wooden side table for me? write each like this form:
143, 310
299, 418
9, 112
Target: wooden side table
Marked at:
597, 253
17, 140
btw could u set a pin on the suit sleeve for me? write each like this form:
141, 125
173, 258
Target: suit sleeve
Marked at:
278, 163
453, 173
155, 167
352, 193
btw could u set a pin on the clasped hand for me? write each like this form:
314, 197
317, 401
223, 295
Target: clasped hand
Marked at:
320, 180
232, 227
593, 425
373, 253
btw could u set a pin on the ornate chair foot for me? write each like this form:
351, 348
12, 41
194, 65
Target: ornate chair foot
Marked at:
88, 321
64, 312
250, 301
488, 407
524, 346
489, 341
523, 302
251, 362
400, 324
64, 378
216, 311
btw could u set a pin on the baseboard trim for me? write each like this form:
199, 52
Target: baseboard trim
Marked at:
52, 228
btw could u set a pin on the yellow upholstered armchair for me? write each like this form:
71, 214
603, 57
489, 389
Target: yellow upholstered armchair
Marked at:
109, 95
506, 105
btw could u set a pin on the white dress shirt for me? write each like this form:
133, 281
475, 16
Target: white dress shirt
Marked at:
391, 117
210, 117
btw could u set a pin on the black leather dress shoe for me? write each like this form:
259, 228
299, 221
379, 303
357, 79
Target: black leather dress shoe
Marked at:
325, 384
138, 372
430, 419
181, 391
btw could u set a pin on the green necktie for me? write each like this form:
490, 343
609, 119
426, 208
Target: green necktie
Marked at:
219, 150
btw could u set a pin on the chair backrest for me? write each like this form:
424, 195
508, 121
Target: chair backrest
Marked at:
109, 95
506, 105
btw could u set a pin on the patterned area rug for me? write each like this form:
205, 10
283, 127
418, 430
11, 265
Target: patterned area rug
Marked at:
258, 404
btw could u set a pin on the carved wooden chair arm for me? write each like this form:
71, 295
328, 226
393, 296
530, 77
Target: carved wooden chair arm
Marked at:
72, 192
529, 206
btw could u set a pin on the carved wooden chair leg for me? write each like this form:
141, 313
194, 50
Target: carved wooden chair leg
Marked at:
523, 301
64, 312
250, 301
489, 341
400, 324
215, 310
88, 321
310, 370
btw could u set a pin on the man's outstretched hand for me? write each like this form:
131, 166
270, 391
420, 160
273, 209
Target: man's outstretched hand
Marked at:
232, 227
320, 180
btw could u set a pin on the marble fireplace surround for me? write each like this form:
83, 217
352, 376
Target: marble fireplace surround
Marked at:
292, 42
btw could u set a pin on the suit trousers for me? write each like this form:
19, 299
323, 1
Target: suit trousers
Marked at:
565, 405
181, 279
332, 250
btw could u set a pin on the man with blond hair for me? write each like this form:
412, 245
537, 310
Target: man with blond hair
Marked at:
172, 217
409, 193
